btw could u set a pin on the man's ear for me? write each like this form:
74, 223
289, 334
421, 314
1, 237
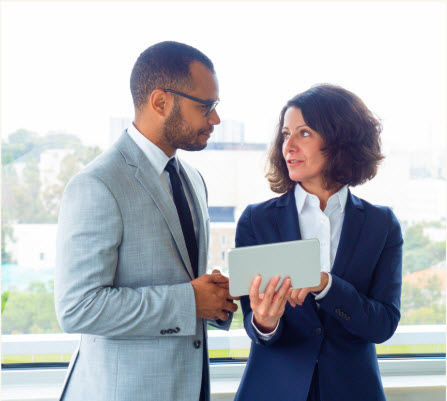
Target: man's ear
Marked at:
160, 102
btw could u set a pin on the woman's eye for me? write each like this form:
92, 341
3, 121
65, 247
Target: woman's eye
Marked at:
305, 133
285, 135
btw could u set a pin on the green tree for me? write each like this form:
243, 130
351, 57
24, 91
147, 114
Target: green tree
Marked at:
419, 252
5, 296
28, 206
70, 165
423, 305
9, 180
31, 311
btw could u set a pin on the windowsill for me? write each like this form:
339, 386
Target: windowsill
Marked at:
412, 379
45, 384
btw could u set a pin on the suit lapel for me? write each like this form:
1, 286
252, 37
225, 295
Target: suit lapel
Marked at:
199, 207
286, 219
148, 178
350, 232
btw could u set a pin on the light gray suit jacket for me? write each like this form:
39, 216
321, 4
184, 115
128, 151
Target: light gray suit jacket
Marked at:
122, 280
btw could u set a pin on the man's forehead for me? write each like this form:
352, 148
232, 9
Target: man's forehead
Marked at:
204, 80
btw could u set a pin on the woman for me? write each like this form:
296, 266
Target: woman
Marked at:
318, 343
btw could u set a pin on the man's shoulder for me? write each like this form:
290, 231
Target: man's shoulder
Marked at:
106, 164
191, 171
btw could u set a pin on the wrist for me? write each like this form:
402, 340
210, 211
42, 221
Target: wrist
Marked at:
263, 327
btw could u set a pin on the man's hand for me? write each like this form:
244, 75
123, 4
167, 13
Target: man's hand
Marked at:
298, 295
268, 307
213, 301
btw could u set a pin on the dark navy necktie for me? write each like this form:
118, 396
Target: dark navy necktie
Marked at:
184, 214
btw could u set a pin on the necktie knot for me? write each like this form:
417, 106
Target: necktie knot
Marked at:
170, 167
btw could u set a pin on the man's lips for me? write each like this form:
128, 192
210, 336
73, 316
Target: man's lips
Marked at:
208, 133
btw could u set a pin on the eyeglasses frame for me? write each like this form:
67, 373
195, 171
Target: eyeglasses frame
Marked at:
211, 105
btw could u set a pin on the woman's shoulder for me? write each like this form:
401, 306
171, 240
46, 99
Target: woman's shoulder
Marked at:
270, 204
375, 212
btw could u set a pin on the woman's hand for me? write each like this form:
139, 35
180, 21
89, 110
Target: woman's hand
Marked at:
298, 295
268, 307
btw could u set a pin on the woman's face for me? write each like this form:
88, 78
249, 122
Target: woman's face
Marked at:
302, 150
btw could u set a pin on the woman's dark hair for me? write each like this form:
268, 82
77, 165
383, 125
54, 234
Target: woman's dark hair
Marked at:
350, 132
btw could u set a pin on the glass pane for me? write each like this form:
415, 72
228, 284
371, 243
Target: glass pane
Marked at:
66, 99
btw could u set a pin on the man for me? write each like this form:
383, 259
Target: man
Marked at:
132, 245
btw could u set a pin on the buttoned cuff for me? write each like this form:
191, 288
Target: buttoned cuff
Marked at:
264, 336
323, 293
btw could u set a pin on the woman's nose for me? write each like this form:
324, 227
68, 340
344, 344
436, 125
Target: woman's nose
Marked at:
291, 145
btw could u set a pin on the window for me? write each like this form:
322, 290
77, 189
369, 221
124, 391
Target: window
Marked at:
67, 99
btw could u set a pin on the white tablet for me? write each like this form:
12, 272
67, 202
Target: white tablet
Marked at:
299, 260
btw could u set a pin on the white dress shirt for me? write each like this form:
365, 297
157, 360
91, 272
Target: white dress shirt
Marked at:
159, 160
325, 225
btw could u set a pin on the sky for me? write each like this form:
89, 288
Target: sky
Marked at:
65, 66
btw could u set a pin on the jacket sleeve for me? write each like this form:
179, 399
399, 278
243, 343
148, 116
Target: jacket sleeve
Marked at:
86, 300
246, 237
373, 316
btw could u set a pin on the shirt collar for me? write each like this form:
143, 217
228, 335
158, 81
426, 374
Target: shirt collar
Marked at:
339, 198
156, 156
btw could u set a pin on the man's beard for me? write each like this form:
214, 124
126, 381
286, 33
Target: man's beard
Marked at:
178, 134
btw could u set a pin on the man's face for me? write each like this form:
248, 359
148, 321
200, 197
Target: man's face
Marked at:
187, 127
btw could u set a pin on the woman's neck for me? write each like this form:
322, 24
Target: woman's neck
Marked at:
320, 192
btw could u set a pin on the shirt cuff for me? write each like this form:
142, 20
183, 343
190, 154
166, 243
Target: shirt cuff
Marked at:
264, 336
323, 293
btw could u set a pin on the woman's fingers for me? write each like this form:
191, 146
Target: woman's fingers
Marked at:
282, 292
271, 287
254, 291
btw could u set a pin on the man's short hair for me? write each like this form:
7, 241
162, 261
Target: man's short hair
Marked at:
350, 132
164, 65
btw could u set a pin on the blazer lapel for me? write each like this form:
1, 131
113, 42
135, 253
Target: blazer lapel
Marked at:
287, 217
350, 232
200, 208
148, 178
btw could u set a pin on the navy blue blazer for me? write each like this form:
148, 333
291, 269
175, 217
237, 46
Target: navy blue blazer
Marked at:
361, 308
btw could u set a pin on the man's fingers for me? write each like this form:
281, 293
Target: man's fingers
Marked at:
230, 307
223, 315
217, 278
289, 297
295, 293
302, 295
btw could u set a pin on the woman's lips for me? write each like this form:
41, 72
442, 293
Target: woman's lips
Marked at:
294, 162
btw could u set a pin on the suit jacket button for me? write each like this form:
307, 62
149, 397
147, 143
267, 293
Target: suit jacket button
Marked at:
163, 332
196, 344
177, 329
318, 331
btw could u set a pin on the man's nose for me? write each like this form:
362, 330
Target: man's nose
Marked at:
214, 118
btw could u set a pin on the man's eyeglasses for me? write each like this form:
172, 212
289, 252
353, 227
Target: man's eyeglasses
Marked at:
211, 105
